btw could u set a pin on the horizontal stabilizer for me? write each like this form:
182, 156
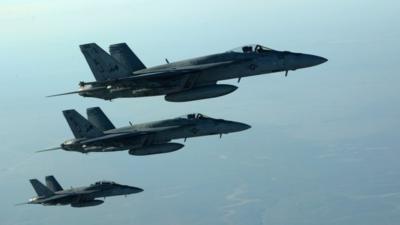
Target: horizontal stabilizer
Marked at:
23, 203
80, 91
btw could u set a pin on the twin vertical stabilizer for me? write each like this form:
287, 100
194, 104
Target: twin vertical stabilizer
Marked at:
47, 190
120, 64
103, 66
81, 127
41, 189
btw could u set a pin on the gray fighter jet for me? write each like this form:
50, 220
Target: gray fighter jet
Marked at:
98, 134
121, 74
54, 194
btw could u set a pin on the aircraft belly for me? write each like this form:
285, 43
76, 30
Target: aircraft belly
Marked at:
130, 93
106, 193
192, 131
62, 201
233, 71
236, 71
105, 148
165, 136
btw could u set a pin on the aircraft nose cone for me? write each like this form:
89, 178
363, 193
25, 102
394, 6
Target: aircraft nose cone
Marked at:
319, 60
137, 190
313, 60
231, 126
134, 190
242, 126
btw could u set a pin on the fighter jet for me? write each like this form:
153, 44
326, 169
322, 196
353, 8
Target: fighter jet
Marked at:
54, 194
98, 134
121, 74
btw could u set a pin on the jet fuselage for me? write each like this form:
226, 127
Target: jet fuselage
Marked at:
80, 196
236, 64
158, 132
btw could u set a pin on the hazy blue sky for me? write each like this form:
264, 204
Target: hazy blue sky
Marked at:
324, 143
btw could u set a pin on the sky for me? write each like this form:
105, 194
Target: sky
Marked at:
324, 142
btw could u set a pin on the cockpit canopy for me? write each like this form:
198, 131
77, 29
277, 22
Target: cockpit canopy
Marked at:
251, 49
195, 116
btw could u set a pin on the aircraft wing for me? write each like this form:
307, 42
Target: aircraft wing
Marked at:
48, 199
54, 197
169, 73
118, 136
157, 129
155, 78
66, 195
178, 71
112, 137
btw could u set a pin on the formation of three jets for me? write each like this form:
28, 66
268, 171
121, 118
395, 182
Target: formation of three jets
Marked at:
121, 74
